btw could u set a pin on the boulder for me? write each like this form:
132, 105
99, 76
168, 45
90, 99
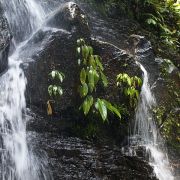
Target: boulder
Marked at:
5, 38
73, 158
142, 50
55, 48
69, 17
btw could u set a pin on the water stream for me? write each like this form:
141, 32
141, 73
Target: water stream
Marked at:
17, 161
146, 133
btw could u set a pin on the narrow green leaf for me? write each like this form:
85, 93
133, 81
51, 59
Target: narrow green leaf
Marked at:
90, 50
91, 79
83, 90
78, 50
104, 79
55, 90
101, 107
87, 104
83, 76
98, 62
112, 108
50, 90
60, 90
53, 74
92, 61
79, 62
96, 77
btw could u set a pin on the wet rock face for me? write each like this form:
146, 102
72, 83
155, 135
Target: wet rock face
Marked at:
72, 158
5, 38
142, 50
71, 18
54, 47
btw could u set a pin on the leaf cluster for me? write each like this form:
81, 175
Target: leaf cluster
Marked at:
54, 89
92, 74
130, 87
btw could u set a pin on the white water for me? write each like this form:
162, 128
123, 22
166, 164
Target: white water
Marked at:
24, 17
17, 162
146, 133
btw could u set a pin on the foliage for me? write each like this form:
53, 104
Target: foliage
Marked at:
159, 18
130, 87
165, 67
164, 18
55, 90
92, 74
169, 124
167, 113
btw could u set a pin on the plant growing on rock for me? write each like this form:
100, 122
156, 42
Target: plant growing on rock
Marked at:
130, 87
55, 90
91, 75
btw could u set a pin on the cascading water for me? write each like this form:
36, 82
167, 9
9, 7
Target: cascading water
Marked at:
24, 17
146, 133
17, 162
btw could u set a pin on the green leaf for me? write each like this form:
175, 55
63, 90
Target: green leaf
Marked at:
55, 90
60, 76
50, 90
104, 79
78, 50
98, 62
60, 90
90, 50
83, 76
92, 61
79, 62
85, 51
151, 21
96, 77
87, 104
129, 81
83, 90
112, 108
53, 74
91, 79
101, 107
80, 42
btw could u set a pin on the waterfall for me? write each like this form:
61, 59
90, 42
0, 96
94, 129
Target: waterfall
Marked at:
17, 161
24, 17
146, 133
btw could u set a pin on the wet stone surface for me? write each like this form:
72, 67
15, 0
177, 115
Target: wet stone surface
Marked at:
73, 158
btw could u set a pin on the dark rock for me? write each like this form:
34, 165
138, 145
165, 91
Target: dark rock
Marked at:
73, 158
71, 18
58, 50
115, 61
5, 37
52, 48
142, 50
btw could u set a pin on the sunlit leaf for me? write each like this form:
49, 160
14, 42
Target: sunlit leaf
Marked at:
113, 109
83, 76
101, 107
98, 62
104, 79
53, 74
50, 90
83, 90
91, 79
87, 104
60, 90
